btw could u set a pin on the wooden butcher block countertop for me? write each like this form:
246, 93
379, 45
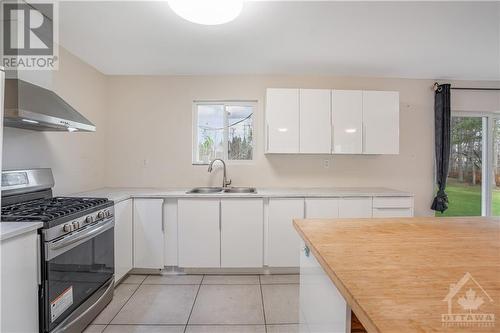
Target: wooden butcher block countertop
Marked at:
396, 273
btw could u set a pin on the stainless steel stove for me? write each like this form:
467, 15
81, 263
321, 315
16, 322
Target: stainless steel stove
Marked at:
77, 247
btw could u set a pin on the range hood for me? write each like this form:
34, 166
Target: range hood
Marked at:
32, 107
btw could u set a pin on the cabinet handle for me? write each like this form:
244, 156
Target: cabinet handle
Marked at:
333, 141
306, 250
38, 259
267, 137
163, 217
363, 137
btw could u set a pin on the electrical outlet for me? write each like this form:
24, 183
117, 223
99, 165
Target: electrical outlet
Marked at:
326, 164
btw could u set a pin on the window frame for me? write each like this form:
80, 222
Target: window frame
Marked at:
225, 103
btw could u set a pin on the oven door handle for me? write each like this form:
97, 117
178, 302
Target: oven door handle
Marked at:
57, 248
84, 235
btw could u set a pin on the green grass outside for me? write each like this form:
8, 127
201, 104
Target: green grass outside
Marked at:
465, 200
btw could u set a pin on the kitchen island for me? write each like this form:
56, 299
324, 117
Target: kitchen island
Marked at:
404, 274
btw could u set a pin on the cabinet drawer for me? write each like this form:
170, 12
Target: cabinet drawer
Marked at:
392, 212
393, 202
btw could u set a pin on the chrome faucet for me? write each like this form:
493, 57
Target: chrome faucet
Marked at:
225, 182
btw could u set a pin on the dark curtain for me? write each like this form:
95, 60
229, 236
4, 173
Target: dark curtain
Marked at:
442, 123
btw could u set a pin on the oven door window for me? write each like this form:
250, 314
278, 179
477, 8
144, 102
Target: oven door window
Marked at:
76, 274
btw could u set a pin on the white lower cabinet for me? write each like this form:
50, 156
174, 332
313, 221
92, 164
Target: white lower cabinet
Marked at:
355, 207
198, 232
392, 207
242, 232
322, 208
283, 240
148, 233
322, 307
392, 212
19, 283
230, 232
170, 221
123, 238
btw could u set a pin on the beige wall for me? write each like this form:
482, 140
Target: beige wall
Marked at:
150, 137
77, 159
144, 134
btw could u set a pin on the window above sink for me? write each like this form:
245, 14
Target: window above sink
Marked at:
223, 129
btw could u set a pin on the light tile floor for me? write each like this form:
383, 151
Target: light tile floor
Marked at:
202, 304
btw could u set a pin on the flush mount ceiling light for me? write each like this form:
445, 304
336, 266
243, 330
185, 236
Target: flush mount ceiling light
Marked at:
208, 12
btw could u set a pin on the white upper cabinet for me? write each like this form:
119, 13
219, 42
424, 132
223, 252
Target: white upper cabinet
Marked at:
347, 121
381, 122
282, 120
315, 129
319, 121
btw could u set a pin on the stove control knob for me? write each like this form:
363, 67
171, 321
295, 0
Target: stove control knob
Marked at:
100, 215
89, 219
67, 227
76, 225
108, 213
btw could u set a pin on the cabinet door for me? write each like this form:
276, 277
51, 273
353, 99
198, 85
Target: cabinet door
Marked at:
283, 240
148, 233
355, 207
323, 309
315, 116
242, 227
170, 220
282, 120
123, 238
381, 122
20, 260
347, 121
322, 208
199, 232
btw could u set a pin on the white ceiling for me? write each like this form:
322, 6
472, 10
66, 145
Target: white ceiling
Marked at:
441, 40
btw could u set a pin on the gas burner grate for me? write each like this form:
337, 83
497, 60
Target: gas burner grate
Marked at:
46, 210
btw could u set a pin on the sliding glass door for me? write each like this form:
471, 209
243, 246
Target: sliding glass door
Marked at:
474, 175
495, 181
464, 187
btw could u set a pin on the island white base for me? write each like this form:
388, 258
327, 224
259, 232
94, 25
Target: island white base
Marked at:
322, 307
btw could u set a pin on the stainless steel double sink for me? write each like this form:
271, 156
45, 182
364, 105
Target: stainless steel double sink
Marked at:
215, 190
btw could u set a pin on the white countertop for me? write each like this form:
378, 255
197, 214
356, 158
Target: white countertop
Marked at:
120, 194
13, 229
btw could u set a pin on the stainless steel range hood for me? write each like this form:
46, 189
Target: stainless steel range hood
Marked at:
32, 107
